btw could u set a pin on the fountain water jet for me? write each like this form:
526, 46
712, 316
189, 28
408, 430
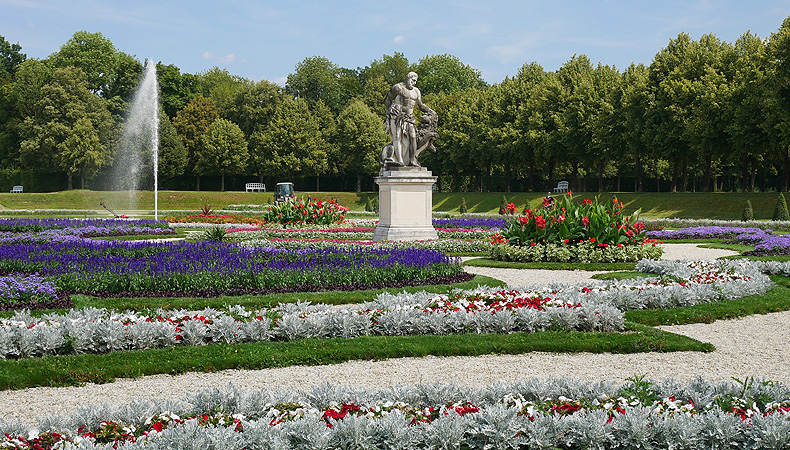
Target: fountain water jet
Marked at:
140, 138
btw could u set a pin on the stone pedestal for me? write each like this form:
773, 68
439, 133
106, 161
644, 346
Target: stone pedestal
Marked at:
405, 204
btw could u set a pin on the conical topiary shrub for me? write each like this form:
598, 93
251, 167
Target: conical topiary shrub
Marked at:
462, 208
503, 206
780, 212
748, 212
368, 205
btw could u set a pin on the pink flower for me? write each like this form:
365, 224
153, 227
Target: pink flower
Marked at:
585, 221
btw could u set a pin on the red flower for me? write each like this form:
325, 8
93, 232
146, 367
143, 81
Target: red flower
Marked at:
523, 220
585, 221
540, 222
561, 218
511, 208
586, 202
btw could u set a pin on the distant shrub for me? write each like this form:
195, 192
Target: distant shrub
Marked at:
748, 212
503, 206
462, 209
368, 205
780, 212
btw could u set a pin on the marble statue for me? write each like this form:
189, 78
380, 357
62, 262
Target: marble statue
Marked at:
408, 138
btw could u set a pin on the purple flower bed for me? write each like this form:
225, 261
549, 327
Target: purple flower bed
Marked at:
21, 225
63, 230
487, 223
763, 240
30, 292
117, 266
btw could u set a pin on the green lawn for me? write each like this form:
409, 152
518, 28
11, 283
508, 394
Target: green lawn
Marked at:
653, 205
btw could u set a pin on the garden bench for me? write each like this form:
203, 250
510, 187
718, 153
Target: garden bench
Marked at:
16, 190
252, 187
562, 186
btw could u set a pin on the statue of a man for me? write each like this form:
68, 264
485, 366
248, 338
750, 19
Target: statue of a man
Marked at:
401, 124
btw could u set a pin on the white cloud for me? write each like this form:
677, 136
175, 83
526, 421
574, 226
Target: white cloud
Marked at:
399, 39
227, 59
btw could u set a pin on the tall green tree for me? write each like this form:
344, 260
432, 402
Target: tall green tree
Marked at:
173, 157
290, 144
317, 79
222, 86
447, 74
175, 89
61, 120
224, 151
360, 137
634, 104
10, 57
109, 73
82, 153
191, 123
778, 102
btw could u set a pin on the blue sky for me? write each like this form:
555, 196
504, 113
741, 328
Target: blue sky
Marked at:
266, 39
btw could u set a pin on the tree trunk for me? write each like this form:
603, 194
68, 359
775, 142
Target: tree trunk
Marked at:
488, 177
222, 183
785, 170
454, 184
708, 159
197, 183
531, 187
685, 174
359, 183
675, 169
508, 175
638, 170
753, 176
575, 185
69, 182
745, 174
318, 183
600, 176
550, 169
82, 181
618, 181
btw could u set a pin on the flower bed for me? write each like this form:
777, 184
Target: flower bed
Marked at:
585, 252
100, 267
562, 231
59, 230
596, 307
764, 241
530, 414
442, 245
659, 224
33, 291
356, 234
313, 212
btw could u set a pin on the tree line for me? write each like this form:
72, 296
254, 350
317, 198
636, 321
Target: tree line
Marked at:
704, 115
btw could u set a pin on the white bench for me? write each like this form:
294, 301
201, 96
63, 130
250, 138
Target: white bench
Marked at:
252, 187
562, 186
16, 190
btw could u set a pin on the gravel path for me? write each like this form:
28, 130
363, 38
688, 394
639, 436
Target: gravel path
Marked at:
756, 346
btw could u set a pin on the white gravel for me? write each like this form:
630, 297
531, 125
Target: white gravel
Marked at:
757, 346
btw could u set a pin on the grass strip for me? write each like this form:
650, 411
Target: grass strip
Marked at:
71, 370
777, 299
262, 301
622, 275
488, 262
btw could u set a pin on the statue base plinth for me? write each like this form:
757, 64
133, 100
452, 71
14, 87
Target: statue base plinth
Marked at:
405, 205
